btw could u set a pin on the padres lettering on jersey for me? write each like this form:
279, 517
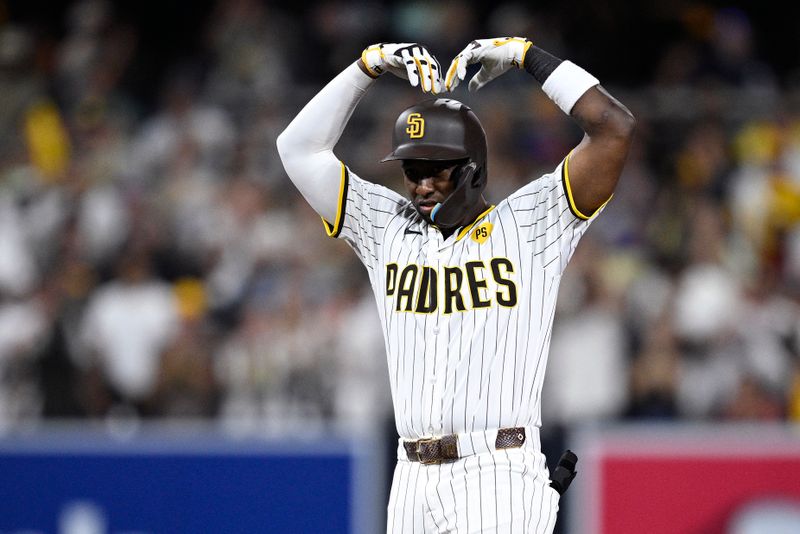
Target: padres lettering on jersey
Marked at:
418, 288
466, 319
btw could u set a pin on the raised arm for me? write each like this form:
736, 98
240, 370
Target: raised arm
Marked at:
595, 165
306, 145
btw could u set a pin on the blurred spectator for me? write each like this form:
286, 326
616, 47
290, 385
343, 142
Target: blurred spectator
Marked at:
22, 325
186, 384
128, 325
587, 368
362, 395
654, 374
18, 272
753, 401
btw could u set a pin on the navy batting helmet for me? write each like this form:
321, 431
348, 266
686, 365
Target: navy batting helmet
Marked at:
444, 130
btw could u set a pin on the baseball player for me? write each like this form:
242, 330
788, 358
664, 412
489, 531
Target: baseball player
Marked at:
466, 290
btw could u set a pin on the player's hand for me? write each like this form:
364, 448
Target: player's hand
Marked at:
410, 61
496, 56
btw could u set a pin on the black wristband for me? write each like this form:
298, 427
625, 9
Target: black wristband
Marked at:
540, 64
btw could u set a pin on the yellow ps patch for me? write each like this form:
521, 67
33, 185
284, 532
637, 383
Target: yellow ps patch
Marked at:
416, 126
481, 233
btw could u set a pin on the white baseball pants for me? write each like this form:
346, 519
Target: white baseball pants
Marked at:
499, 491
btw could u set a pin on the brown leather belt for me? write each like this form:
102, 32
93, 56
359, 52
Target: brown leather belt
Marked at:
445, 449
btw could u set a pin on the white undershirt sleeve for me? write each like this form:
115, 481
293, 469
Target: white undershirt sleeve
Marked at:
306, 145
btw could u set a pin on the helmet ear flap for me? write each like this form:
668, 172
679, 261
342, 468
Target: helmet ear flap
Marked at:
477, 178
466, 169
456, 207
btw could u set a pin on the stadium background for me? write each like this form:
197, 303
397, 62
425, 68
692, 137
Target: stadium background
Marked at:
157, 268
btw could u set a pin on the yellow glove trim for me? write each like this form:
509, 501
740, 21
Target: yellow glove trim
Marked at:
419, 74
433, 81
524, 53
451, 72
366, 63
506, 40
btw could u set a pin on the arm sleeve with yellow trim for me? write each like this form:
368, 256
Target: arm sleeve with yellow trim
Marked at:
548, 220
306, 145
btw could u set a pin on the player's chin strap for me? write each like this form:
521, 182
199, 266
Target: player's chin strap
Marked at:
451, 212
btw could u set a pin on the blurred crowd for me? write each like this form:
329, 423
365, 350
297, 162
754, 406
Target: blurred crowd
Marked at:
155, 260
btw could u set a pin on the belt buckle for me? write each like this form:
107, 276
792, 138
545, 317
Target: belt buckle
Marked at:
423, 444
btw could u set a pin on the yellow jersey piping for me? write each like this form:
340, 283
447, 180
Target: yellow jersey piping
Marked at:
467, 229
568, 189
334, 229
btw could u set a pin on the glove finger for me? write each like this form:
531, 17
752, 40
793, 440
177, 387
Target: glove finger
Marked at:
467, 59
438, 79
470, 52
434, 72
459, 67
452, 78
484, 76
411, 68
423, 68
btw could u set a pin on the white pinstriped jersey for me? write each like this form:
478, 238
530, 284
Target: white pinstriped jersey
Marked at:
467, 319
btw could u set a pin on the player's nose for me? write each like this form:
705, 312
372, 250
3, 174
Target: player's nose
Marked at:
425, 186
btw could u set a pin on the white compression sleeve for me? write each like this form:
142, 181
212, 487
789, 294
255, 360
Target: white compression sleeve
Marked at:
306, 145
567, 84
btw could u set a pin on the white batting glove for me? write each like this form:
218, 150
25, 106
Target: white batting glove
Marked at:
410, 61
496, 56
